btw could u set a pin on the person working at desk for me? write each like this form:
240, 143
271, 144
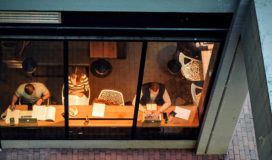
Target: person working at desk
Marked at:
30, 94
154, 92
78, 83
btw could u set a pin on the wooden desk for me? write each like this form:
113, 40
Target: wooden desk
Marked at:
59, 122
113, 113
192, 122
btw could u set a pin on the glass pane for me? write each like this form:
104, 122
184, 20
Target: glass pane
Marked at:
31, 81
176, 79
101, 97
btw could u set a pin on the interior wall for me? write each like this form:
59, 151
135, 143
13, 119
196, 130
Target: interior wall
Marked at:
158, 55
43, 52
124, 75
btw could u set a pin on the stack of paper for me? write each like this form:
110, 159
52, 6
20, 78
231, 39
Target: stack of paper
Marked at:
182, 113
44, 112
98, 109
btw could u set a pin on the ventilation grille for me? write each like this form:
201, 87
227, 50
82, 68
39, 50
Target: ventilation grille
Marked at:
30, 17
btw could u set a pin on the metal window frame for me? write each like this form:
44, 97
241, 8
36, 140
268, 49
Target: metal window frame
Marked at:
177, 34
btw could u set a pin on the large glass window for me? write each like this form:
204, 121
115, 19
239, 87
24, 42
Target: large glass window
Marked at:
103, 78
31, 80
175, 82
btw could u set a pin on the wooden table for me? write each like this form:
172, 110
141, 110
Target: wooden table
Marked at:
115, 116
206, 56
192, 122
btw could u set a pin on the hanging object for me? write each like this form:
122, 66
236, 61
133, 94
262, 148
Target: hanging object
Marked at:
101, 68
174, 66
29, 65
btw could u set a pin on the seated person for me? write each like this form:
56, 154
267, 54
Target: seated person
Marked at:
30, 94
78, 83
154, 92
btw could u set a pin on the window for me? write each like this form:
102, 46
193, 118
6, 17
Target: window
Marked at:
102, 98
40, 64
102, 91
86, 62
173, 91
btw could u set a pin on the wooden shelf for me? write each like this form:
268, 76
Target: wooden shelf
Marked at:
103, 49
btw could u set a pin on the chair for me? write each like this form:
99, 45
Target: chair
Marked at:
75, 100
113, 96
195, 96
191, 70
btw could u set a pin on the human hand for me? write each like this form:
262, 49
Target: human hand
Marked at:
170, 118
12, 107
80, 94
39, 101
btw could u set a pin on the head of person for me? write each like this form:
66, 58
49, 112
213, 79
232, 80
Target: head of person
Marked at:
29, 89
154, 87
77, 74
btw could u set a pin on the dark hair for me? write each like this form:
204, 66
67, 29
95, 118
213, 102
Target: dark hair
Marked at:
29, 89
154, 86
78, 71
101, 68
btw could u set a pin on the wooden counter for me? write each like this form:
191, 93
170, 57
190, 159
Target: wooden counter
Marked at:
115, 116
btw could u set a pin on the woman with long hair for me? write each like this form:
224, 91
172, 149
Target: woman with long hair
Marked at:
78, 82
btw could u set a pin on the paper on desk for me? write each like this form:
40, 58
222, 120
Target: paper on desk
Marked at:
39, 112
151, 106
13, 114
44, 112
98, 110
182, 113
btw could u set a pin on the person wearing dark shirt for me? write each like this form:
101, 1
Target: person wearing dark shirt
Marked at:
154, 92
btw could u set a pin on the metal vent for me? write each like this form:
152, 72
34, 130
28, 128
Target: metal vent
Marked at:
30, 17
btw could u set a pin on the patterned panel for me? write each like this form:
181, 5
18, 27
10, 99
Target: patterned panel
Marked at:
191, 70
113, 96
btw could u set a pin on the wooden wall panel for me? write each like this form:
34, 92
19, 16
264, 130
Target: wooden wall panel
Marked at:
103, 49
110, 49
96, 49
